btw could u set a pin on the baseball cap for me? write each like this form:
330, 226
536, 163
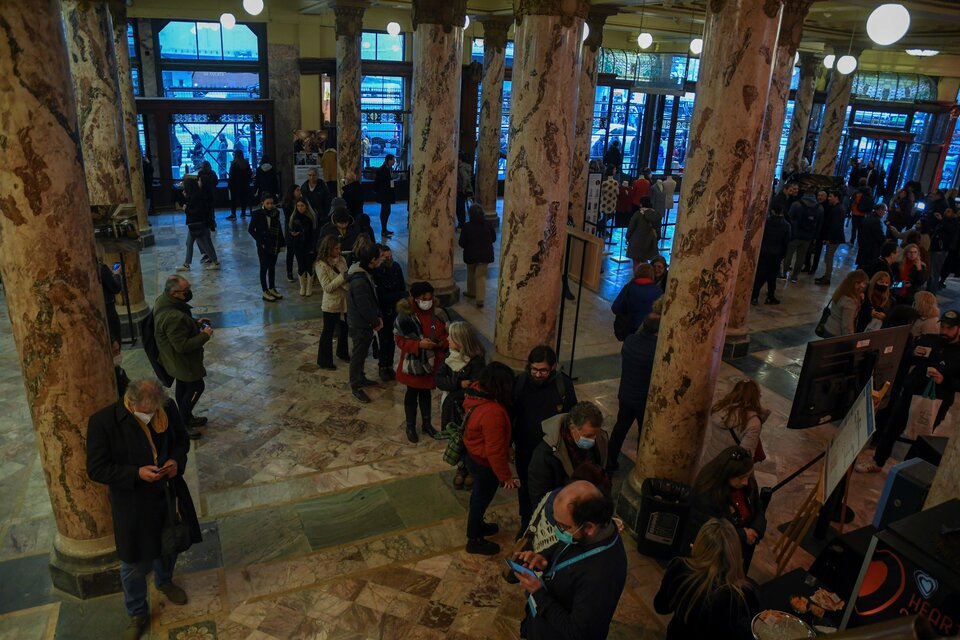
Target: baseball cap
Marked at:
951, 318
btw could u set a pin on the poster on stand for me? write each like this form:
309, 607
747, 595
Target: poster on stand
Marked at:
849, 440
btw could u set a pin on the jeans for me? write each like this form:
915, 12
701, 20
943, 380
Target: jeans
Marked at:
828, 260
796, 251
477, 281
362, 339
937, 258
812, 260
626, 416
268, 268
187, 396
204, 241
411, 399
388, 347
384, 216
485, 486
333, 323
522, 462
855, 222
133, 577
767, 269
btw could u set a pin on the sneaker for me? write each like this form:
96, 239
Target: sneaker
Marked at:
213, 266
136, 627
412, 434
754, 301
269, 297
231, 217
772, 301
199, 421
867, 467
793, 278
205, 259
824, 281
184, 267
193, 434
276, 294
174, 594
360, 395
490, 529
483, 547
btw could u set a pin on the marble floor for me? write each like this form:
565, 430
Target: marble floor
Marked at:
319, 519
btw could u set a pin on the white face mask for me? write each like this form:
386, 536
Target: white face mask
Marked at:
118, 360
145, 418
425, 305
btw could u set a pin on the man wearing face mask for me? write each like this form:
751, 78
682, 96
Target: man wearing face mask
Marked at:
570, 441
583, 574
180, 340
138, 448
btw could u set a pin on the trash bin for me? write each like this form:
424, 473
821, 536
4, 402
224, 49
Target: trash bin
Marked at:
664, 510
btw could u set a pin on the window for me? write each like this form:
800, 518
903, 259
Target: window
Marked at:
504, 125
949, 177
784, 136
617, 115
204, 60
893, 87
199, 137
134, 59
476, 52
381, 46
684, 112
880, 119
381, 118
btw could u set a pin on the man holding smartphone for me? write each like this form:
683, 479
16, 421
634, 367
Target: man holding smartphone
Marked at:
180, 340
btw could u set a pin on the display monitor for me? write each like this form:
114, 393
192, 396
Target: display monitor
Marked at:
835, 370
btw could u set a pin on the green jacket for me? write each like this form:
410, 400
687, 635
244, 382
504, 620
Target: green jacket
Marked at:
179, 339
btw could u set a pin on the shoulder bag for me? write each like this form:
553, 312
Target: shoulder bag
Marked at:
175, 534
821, 326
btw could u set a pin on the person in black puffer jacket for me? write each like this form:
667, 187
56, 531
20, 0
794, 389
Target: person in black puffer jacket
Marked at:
636, 369
872, 236
476, 240
773, 248
267, 232
833, 233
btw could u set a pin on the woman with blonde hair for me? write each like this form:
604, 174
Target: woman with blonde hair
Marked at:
845, 305
737, 419
910, 273
876, 303
929, 321
708, 593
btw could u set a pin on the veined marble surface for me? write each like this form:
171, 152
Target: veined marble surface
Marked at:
834, 117
491, 113
810, 68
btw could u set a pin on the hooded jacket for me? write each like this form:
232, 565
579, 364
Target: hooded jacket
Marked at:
805, 217
486, 435
476, 240
363, 310
643, 233
550, 466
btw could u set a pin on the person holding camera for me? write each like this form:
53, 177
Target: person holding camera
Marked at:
180, 340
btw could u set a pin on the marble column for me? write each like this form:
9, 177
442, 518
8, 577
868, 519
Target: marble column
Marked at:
726, 125
118, 12
754, 210
587, 95
537, 189
491, 111
96, 84
437, 64
349, 27
284, 72
810, 65
471, 76
55, 304
834, 114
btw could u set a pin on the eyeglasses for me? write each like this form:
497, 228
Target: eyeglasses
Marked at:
567, 527
539, 371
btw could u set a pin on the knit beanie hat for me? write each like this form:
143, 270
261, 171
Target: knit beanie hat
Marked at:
418, 289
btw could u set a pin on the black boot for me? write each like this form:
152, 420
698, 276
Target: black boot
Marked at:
412, 433
429, 431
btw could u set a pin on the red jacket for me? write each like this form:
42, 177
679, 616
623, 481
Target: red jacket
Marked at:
433, 328
641, 189
487, 433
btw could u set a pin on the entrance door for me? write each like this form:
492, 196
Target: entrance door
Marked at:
885, 149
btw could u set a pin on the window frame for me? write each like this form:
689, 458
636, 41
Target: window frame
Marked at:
379, 32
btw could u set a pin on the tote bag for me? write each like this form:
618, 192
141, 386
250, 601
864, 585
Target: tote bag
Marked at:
923, 412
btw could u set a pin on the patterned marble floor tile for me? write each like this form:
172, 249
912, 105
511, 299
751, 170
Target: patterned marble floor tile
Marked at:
348, 516
243, 536
37, 623
204, 591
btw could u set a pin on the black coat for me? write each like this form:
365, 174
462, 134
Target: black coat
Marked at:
702, 508
391, 288
116, 449
319, 199
450, 381
870, 239
877, 265
197, 210
776, 236
208, 186
805, 218
533, 403
833, 224
382, 185
636, 369
266, 181
476, 240
240, 176
266, 230
353, 195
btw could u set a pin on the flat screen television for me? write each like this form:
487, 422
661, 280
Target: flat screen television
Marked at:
835, 370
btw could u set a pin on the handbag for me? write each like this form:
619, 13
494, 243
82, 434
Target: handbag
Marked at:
923, 412
454, 451
175, 534
821, 326
759, 455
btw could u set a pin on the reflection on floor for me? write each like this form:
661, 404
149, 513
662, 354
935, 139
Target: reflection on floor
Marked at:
320, 520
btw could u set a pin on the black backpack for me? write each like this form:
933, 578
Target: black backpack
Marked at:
149, 339
808, 219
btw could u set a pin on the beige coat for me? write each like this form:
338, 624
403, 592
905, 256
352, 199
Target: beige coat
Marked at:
333, 281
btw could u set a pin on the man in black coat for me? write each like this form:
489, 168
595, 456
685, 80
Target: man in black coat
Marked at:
391, 289
832, 232
541, 392
315, 192
872, 236
636, 369
773, 248
383, 186
138, 448
363, 316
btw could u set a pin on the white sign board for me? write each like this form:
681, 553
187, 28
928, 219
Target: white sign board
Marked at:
850, 439
592, 211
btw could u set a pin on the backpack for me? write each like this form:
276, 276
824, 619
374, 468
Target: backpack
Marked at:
150, 348
808, 219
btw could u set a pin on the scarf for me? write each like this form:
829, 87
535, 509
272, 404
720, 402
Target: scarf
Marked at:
159, 422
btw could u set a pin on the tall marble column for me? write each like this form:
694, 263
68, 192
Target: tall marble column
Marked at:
96, 83
55, 304
437, 64
470, 78
737, 340
491, 111
726, 126
542, 120
587, 97
118, 12
349, 26
810, 65
284, 73
834, 114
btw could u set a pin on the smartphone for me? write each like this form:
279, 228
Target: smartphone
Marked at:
116, 265
519, 568
899, 284
204, 324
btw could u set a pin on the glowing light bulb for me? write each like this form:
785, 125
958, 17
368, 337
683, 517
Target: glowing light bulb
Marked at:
586, 31
644, 40
828, 61
888, 23
228, 20
253, 7
846, 64
393, 28
466, 22
696, 46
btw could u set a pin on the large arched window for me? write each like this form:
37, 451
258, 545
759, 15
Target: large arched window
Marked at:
889, 86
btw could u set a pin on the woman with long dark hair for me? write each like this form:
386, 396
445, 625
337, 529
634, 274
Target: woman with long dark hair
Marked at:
303, 233
331, 269
737, 419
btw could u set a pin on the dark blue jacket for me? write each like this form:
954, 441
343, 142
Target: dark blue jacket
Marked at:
636, 367
636, 300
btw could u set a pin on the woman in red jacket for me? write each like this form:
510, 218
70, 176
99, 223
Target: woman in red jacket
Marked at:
420, 331
487, 440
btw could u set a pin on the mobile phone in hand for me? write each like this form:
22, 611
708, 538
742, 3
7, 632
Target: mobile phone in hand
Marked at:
204, 324
116, 265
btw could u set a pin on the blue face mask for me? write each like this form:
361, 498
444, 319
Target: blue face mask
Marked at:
566, 537
586, 443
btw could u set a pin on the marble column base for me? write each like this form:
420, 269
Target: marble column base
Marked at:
736, 346
138, 312
147, 239
448, 296
85, 577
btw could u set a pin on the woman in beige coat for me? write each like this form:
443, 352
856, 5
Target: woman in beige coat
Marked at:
331, 270
736, 420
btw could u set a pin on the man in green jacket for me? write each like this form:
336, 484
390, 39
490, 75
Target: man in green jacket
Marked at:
180, 339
